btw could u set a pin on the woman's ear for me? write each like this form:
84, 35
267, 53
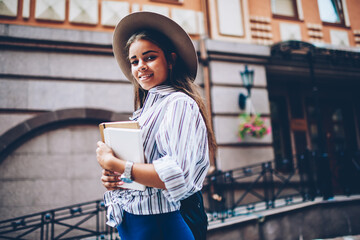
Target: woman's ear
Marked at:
173, 60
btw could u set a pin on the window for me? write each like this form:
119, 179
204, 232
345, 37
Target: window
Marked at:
284, 8
331, 11
230, 17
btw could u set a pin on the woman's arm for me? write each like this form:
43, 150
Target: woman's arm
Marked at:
142, 173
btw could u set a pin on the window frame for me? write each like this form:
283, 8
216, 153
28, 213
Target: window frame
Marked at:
296, 11
341, 14
176, 2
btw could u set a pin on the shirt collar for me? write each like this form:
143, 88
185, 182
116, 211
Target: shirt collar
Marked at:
153, 95
162, 90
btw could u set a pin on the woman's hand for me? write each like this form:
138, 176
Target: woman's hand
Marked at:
111, 180
142, 173
105, 156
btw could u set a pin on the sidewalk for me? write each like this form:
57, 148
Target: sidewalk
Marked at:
357, 237
336, 218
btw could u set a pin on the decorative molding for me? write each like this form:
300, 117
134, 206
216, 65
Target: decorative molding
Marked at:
230, 18
50, 10
260, 27
339, 38
315, 33
263, 41
135, 7
314, 26
83, 11
290, 31
26, 9
8, 8
187, 19
261, 30
201, 25
112, 12
259, 34
346, 14
260, 19
357, 37
316, 40
156, 9
300, 9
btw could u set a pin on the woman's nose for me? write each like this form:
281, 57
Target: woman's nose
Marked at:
142, 66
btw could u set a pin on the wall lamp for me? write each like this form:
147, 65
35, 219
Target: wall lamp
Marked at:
248, 80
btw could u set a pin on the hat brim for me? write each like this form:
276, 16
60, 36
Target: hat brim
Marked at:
138, 21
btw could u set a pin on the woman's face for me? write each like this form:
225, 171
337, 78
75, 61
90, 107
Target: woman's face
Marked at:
148, 64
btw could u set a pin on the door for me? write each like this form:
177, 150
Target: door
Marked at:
338, 139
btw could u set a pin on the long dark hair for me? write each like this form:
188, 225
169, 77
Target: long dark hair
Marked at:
179, 78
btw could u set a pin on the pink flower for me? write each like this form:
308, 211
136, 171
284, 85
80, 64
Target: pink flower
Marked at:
252, 125
268, 130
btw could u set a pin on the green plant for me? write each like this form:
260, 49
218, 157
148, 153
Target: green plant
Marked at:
252, 125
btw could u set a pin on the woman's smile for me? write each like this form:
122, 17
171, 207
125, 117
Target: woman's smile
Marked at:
144, 77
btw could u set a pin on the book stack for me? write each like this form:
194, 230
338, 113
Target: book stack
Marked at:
124, 138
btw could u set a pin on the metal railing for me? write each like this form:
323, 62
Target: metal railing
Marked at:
255, 188
71, 222
227, 194
250, 189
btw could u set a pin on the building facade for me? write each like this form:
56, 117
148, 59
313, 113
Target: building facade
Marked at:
58, 80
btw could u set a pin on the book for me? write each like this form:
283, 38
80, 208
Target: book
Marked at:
119, 124
124, 138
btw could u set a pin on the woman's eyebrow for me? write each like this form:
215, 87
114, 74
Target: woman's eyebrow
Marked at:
144, 53
150, 51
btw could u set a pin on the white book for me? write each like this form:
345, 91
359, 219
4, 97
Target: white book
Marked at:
126, 144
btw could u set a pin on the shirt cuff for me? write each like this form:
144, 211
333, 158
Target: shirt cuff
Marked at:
172, 176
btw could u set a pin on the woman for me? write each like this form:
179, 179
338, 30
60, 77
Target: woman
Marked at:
158, 57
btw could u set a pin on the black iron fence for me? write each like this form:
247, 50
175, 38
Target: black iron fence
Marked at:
227, 194
72, 222
263, 186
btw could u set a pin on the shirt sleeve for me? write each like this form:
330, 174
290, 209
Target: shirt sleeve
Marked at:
183, 144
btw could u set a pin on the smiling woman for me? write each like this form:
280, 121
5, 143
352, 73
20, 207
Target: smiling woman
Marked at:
147, 59
158, 57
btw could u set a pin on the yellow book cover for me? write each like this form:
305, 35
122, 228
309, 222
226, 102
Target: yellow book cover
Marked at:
119, 124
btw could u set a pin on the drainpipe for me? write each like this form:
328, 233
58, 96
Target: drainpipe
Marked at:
204, 59
207, 88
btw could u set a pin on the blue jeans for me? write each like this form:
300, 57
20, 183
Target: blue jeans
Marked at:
158, 227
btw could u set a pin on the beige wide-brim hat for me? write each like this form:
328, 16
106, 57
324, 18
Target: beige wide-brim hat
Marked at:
138, 21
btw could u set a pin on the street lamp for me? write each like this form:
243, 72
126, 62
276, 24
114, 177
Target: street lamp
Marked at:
248, 80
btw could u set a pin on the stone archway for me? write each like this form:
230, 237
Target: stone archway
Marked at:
49, 161
19, 134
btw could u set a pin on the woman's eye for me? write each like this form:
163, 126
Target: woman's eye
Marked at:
151, 58
134, 62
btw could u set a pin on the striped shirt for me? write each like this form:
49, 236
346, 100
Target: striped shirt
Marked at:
175, 141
